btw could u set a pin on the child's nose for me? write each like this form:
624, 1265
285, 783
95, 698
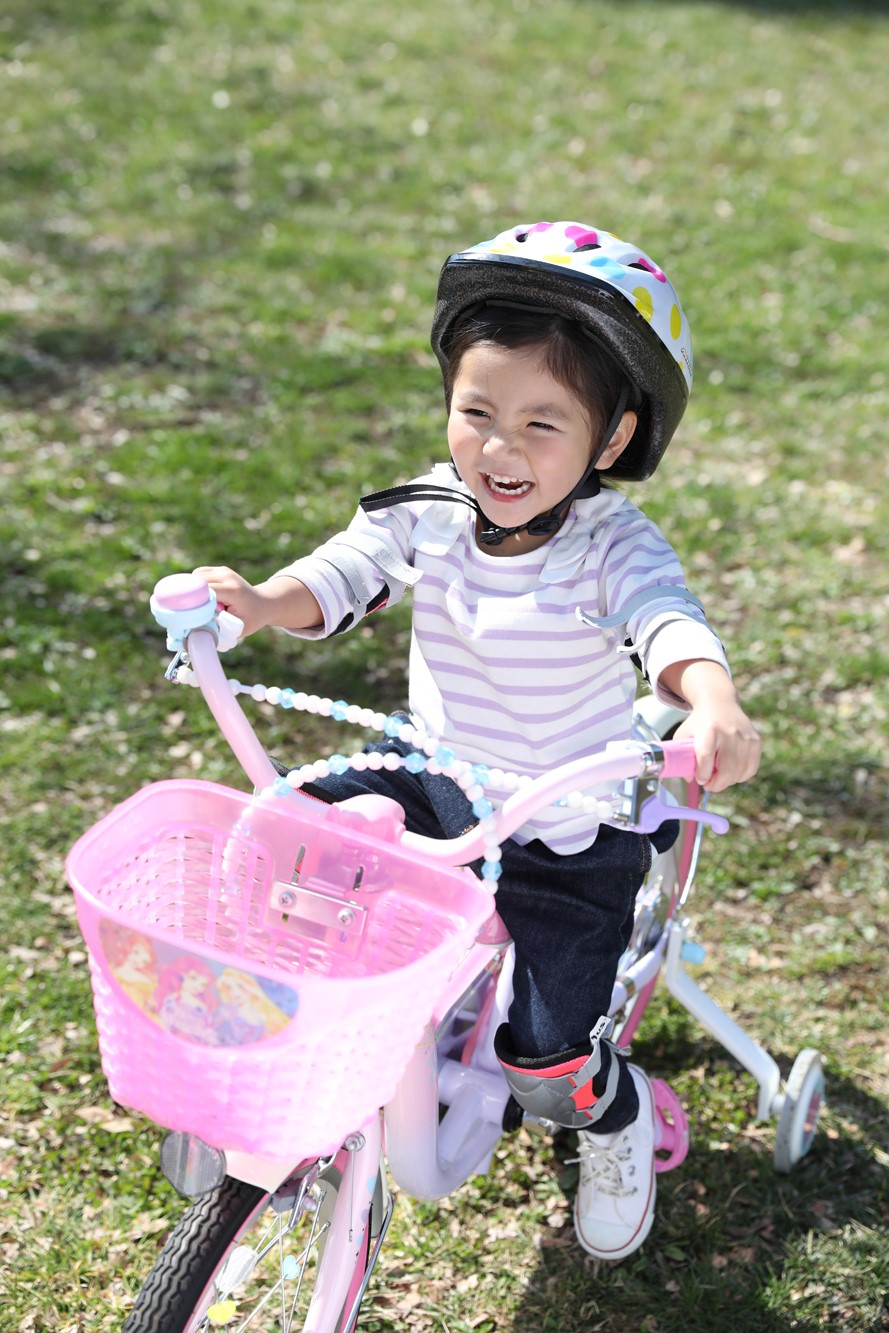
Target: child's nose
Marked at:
498, 442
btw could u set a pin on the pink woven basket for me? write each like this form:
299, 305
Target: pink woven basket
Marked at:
262, 970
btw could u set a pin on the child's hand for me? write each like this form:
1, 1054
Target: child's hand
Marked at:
235, 594
281, 600
727, 744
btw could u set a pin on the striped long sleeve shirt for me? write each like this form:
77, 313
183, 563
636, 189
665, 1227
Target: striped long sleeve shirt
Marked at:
501, 668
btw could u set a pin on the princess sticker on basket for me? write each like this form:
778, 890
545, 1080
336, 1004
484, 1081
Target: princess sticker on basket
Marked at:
133, 960
208, 1003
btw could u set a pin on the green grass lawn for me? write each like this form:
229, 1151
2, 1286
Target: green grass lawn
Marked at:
220, 233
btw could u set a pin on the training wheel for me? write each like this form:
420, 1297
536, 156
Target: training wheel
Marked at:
671, 1127
803, 1099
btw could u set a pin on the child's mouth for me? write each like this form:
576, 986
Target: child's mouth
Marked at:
506, 488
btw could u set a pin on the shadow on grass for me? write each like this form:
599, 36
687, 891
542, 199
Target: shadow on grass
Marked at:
732, 1239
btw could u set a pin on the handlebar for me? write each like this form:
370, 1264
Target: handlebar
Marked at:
186, 607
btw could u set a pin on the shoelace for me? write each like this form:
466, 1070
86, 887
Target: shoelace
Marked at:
603, 1163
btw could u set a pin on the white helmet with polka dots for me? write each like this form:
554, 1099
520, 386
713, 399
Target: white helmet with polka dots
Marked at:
613, 289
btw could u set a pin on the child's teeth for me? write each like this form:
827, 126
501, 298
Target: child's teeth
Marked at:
507, 484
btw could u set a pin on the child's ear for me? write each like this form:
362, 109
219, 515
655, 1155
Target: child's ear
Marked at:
618, 442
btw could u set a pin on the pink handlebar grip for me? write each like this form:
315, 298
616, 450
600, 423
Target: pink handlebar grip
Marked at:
679, 759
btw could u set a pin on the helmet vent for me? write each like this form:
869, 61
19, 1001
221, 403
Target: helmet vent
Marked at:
523, 236
591, 245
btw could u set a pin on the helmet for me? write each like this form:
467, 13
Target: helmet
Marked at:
619, 296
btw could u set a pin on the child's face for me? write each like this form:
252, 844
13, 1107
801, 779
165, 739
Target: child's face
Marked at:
519, 438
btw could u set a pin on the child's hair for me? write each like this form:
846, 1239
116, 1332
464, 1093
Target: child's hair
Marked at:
572, 358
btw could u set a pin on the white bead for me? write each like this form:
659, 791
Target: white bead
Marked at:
321, 768
524, 780
324, 707
465, 779
375, 760
574, 800
497, 777
510, 782
300, 701
407, 733
312, 703
273, 695
353, 714
392, 761
294, 778
358, 762
428, 745
258, 692
475, 792
233, 685
306, 773
379, 721
433, 767
366, 717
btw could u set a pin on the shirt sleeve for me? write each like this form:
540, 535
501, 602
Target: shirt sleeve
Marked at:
640, 571
362, 569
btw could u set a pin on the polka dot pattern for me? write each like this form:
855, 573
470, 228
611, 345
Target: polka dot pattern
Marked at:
594, 253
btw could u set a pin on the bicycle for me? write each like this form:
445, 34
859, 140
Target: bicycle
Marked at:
305, 996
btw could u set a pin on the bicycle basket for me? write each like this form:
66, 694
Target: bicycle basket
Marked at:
262, 969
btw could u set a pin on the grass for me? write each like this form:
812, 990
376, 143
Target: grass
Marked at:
221, 229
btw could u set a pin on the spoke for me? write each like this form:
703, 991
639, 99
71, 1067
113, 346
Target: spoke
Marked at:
284, 1229
282, 1282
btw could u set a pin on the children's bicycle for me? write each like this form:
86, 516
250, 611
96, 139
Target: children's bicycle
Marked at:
305, 995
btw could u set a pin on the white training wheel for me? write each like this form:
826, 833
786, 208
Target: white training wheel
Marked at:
803, 1099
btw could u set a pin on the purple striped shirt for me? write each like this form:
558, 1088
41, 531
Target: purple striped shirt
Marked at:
501, 669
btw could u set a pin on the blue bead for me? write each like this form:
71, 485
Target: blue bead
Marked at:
392, 726
415, 762
286, 699
481, 774
444, 756
281, 787
338, 710
492, 870
482, 808
338, 763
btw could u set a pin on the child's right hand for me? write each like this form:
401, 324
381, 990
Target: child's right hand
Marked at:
235, 594
281, 600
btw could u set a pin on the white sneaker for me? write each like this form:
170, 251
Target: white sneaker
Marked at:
614, 1207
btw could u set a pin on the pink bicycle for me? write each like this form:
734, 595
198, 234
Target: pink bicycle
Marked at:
305, 996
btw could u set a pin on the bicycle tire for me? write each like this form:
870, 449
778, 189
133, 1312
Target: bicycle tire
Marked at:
181, 1286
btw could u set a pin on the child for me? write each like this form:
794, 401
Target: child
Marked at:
565, 354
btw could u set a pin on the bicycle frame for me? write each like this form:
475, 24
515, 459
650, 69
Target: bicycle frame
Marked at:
453, 1066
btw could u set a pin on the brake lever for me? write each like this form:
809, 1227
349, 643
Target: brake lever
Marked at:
645, 809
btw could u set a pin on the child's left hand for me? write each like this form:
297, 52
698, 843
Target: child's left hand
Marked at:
727, 744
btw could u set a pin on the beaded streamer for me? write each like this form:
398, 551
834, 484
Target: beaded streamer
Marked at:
429, 755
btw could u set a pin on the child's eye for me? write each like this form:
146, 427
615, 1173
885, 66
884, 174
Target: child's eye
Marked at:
474, 412
542, 425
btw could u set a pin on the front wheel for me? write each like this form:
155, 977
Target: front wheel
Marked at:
243, 1258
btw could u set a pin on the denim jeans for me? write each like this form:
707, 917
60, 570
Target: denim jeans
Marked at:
570, 917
